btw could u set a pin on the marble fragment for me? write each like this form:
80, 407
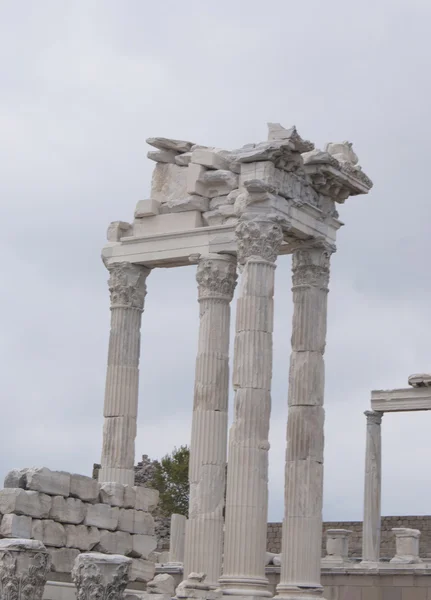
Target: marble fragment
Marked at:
16, 526
212, 217
170, 144
162, 156
112, 493
163, 583
118, 230
68, 510
15, 479
142, 570
25, 502
209, 158
143, 545
192, 202
146, 498
114, 542
169, 182
135, 521
49, 532
83, 487
183, 160
54, 483
147, 208
82, 537
102, 516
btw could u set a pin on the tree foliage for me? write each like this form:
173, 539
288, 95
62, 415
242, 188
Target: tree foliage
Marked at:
171, 478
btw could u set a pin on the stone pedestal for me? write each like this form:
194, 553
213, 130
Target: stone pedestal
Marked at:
99, 576
127, 288
372, 489
177, 539
302, 525
337, 547
24, 568
247, 479
216, 277
407, 546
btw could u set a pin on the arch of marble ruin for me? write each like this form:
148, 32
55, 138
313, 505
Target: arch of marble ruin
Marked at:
227, 211
415, 398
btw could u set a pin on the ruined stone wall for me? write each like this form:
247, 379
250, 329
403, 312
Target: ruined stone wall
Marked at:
387, 546
72, 513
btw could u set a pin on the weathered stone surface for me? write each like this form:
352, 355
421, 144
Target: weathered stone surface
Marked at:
227, 210
210, 183
135, 521
407, 545
209, 158
169, 182
163, 583
166, 223
83, 487
147, 208
188, 203
112, 493
337, 546
49, 532
218, 201
170, 144
62, 559
102, 516
183, 160
54, 483
16, 526
118, 230
143, 545
81, 537
129, 496
115, 542
25, 502
420, 380
146, 498
162, 156
16, 479
212, 217
68, 510
142, 570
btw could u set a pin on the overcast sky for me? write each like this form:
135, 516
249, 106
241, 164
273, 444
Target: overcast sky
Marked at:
83, 84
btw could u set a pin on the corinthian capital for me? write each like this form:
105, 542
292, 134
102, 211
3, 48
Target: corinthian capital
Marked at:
373, 417
217, 277
127, 285
310, 265
24, 569
101, 576
258, 238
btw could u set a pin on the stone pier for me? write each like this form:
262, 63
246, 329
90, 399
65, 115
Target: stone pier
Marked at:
247, 487
372, 489
127, 288
302, 525
216, 277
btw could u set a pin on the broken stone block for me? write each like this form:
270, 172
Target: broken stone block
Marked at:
168, 182
102, 516
227, 210
147, 208
129, 496
81, 537
25, 502
218, 201
209, 158
54, 483
118, 230
68, 510
112, 493
62, 559
143, 545
16, 479
212, 217
183, 160
163, 583
217, 183
195, 174
115, 542
49, 532
188, 203
162, 156
170, 144
85, 488
146, 498
136, 521
16, 526
142, 570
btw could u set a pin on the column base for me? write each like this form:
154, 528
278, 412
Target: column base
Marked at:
124, 476
295, 592
247, 587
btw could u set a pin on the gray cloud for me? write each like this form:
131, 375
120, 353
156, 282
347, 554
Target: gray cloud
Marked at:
83, 85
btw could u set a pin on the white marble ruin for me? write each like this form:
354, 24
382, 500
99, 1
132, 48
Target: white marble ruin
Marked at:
101, 576
229, 211
407, 546
415, 398
337, 547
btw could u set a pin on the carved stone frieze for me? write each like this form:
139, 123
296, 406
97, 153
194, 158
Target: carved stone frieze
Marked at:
24, 568
310, 265
216, 277
127, 285
101, 577
258, 238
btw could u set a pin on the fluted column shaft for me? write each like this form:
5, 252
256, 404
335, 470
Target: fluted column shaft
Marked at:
372, 488
127, 288
247, 481
302, 525
216, 277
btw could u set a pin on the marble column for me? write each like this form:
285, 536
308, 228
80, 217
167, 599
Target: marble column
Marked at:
372, 488
99, 576
258, 244
216, 277
302, 524
24, 569
127, 288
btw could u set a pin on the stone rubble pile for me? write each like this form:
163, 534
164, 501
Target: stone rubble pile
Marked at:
73, 513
